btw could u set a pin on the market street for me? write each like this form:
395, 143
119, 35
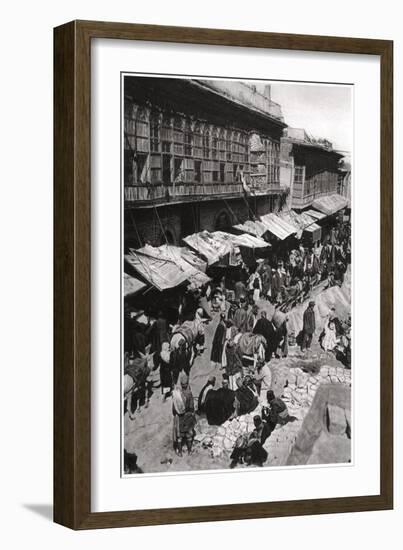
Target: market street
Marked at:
149, 435
236, 253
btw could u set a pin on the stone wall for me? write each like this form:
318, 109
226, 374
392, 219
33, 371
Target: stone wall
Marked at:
327, 424
144, 223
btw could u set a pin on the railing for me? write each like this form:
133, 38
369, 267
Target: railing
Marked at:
186, 190
193, 191
266, 189
306, 200
160, 193
145, 193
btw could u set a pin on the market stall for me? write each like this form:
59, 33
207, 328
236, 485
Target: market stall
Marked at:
213, 249
277, 226
330, 204
132, 285
168, 266
307, 229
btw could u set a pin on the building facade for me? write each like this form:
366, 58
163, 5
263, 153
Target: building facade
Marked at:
309, 168
198, 155
344, 181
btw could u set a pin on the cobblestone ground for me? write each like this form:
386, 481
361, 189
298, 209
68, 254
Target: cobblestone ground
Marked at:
296, 378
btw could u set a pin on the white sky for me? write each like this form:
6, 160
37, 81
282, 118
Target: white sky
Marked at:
324, 110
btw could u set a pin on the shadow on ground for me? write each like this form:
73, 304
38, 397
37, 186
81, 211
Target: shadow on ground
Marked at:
43, 510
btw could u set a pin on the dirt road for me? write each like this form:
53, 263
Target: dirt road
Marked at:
149, 435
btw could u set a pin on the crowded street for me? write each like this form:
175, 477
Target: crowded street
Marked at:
236, 306
295, 374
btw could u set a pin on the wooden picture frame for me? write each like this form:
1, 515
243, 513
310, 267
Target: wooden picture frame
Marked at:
72, 273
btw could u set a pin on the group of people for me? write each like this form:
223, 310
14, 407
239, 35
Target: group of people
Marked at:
289, 278
153, 362
249, 447
222, 404
153, 358
334, 338
147, 364
246, 331
238, 394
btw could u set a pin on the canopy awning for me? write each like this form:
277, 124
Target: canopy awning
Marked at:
165, 267
161, 273
302, 222
246, 240
185, 254
192, 265
213, 249
132, 285
307, 222
313, 227
254, 228
279, 227
330, 204
315, 214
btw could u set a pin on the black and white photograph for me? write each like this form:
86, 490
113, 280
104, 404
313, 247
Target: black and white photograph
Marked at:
210, 230
236, 286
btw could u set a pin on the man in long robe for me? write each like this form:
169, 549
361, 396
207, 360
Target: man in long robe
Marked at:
233, 366
208, 387
252, 318
183, 416
138, 338
158, 333
162, 361
309, 326
135, 384
265, 328
266, 281
218, 341
277, 284
241, 317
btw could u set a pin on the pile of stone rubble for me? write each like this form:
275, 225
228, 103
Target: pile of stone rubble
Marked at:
297, 388
302, 386
221, 439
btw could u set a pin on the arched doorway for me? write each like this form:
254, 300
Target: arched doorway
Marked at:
223, 221
167, 236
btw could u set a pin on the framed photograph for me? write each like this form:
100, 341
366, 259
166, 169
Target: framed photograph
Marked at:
223, 291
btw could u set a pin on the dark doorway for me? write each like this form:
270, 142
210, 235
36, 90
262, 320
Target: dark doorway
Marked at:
169, 237
223, 222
